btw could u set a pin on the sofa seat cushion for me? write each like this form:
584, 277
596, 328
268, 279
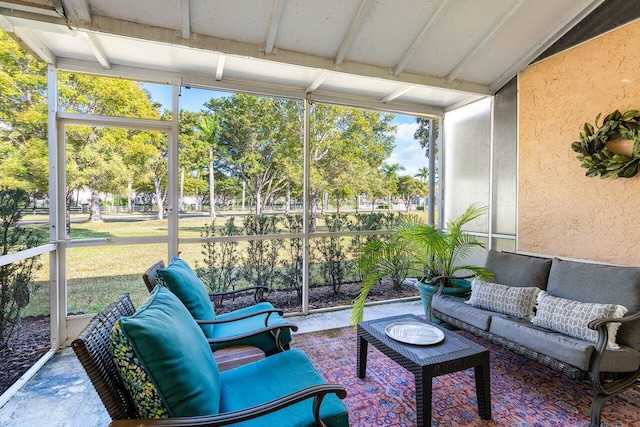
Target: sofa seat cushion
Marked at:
572, 351
512, 300
183, 282
240, 390
598, 283
165, 360
573, 317
518, 270
455, 307
263, 341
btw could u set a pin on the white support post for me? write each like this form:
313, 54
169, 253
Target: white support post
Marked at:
57, 213
432, 172
491, 177
440, 200
306, 173
172, 190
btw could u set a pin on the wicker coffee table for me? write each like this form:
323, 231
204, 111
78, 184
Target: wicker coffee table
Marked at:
454, 353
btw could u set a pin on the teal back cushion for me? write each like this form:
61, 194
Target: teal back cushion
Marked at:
184, 283
165, 361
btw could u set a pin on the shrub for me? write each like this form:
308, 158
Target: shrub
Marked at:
16, 278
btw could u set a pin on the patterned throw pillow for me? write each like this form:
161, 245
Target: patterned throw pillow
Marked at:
144, 393
572, 317
512, 300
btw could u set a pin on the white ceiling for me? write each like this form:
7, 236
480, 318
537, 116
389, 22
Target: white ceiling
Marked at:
417, 56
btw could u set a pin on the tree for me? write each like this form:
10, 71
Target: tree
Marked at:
423, 174
257, 135
422, 133
16, 278
146, 157
410, 188
209, 129
95, 157
390, 172
347, 147
23, 119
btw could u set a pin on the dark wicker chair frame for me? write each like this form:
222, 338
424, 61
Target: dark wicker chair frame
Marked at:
151, 280
92, 349
606, 384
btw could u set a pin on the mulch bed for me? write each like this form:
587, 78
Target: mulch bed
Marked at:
33, 340
29, 345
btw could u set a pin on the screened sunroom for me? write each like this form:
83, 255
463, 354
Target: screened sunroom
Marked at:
456, 95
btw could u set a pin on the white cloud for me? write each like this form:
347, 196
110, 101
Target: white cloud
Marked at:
408, 151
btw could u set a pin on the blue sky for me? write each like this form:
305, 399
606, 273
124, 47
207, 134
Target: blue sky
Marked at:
407, 151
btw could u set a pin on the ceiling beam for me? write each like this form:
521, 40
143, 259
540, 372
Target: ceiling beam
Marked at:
494, 28
220, 67
274, 24
231, 47
317, 82
356, 23
77, 10
37, 8
553, 36
35, 44
396, 94
185, 21
96, 49
5, 25
419, 40
262, 89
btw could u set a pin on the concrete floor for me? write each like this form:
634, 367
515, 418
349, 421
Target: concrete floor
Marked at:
60, 394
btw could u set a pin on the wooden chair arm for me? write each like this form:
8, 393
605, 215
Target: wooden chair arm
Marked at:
274, 330
627, 380
317, 392
258, 293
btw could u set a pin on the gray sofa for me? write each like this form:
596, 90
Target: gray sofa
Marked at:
611, 371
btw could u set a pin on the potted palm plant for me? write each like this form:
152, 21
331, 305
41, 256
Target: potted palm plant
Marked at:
436, 255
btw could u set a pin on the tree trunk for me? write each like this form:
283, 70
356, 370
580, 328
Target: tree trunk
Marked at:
67, 214
95, 215
158, 196
313, 207
212, 184
287, 200
358, 203
258, 203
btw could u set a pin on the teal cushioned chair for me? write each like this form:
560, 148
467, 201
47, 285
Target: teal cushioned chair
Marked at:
260, 325
163, 358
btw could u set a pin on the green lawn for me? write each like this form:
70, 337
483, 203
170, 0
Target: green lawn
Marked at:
96, 275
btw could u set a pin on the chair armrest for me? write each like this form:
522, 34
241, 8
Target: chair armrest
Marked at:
317, 392
274, 330
258, 292
267, 311
441, 280
626, 381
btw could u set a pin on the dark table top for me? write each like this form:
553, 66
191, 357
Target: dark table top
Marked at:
453, 347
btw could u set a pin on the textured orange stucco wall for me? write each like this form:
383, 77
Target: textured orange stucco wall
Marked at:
561, 212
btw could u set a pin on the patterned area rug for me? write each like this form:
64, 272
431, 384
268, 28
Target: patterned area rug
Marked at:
523, 393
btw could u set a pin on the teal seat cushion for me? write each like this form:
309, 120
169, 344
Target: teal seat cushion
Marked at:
273, 377
263, 341
183, 282
165, 360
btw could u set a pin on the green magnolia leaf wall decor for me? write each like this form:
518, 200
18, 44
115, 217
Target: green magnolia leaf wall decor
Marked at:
597, 158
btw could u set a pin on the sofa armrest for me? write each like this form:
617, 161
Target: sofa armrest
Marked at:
628, 379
